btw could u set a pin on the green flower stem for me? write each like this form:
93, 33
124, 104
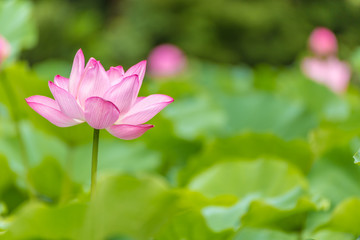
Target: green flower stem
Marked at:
94, 159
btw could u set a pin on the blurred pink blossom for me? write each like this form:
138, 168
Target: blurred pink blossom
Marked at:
166, 60
323, 42
104, 99
330, 71
4, 49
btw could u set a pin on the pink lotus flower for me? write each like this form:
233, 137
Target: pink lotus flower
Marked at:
331, 72
4, 49
166, 60
323, 42
104, 99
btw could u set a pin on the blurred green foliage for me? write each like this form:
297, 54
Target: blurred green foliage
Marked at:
244, 153
189, 177
223, 31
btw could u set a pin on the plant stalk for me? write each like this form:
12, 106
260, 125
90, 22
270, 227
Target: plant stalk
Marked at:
94, 161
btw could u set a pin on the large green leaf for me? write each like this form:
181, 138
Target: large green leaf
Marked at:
263, 234
345, 217
263, 112
269, 178
220, 218
328, 137
51, 183
128, 206
190, 225
38, 221
287, 212
330, 235
249, 146
335, 177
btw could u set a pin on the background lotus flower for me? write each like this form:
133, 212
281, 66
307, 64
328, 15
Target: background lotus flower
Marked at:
104, 99
166, 60
325, 67
4, 49
331, 71
323, 42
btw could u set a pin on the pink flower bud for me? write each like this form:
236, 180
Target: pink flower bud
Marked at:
322, 41
4, 49
166, 60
